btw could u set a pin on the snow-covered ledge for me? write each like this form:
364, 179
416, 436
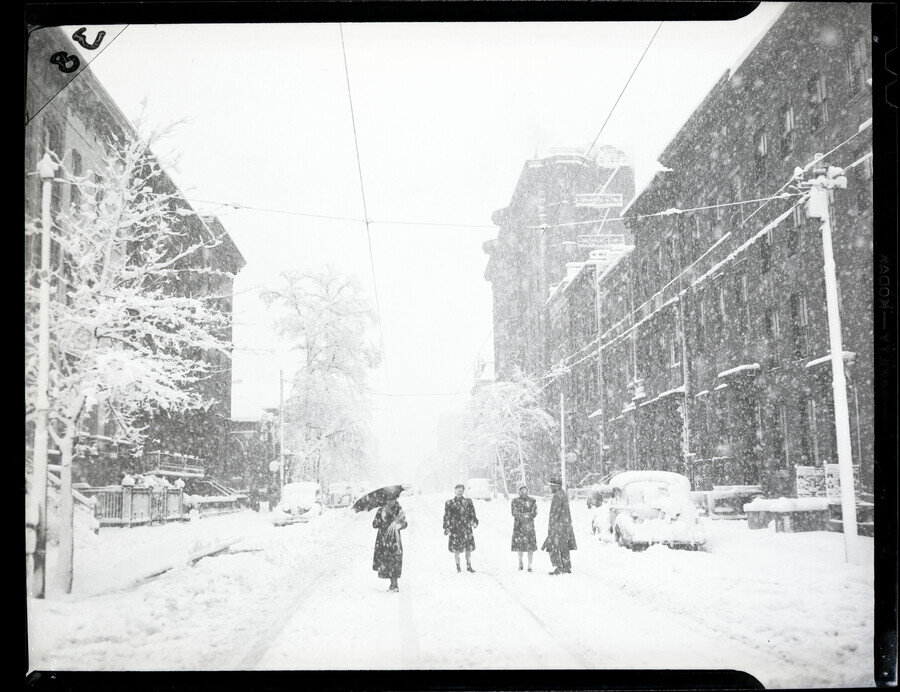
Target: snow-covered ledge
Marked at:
677, 390
749, 367
848, 355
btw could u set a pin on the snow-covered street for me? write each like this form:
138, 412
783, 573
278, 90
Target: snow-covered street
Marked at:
782, 607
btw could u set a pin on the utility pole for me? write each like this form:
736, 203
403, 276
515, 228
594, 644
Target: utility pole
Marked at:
685, 378
562, 434
281, 455
818, 206
38, 509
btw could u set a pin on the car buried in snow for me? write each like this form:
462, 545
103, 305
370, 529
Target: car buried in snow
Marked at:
648, 508
479, 489
300, 502
340, 494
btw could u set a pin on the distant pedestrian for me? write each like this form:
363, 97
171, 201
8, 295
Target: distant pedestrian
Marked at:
524, 510
459, 520
560, 536
388, 557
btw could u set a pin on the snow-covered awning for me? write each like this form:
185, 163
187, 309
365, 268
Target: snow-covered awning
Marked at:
750, 367
848, 355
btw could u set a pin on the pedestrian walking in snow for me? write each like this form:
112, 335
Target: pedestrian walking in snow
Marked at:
459, 520
388, 557
524, 510
560, 536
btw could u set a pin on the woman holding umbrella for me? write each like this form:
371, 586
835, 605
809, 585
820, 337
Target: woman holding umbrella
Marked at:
390, 519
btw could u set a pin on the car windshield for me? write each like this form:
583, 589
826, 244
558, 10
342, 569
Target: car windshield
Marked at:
648, 492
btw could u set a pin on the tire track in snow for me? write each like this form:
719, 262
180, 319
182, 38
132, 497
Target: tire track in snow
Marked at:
707, 628
270, 635
540, 622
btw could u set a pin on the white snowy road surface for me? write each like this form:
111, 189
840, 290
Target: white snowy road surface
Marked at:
782, 607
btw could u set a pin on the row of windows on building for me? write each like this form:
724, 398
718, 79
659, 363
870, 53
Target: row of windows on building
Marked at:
670, 256
772, 426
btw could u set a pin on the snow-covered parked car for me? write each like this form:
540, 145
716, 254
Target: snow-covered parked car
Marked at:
479, 489
649, 507
300, 501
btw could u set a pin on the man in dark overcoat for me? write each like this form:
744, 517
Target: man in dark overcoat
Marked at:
459, 520
560, 536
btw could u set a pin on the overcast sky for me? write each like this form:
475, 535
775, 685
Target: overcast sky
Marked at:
446, 115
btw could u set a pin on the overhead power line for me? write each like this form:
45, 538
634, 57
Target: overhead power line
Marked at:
603, 126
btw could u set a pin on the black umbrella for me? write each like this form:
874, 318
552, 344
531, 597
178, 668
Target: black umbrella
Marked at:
377, 498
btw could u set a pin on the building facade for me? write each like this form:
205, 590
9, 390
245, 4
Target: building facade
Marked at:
74, 118
710, 328
557, 211
728, 373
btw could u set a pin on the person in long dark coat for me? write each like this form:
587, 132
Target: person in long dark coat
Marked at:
388, 556
459, 520
560, 536
524, 510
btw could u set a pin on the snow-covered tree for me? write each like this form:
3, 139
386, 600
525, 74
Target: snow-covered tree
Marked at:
125, 335
506, 422
326, 318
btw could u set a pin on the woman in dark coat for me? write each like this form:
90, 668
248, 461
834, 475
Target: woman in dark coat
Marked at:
388, 557
560, 536
524, 510
459, 520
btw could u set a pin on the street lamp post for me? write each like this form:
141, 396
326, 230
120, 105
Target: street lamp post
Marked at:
38, 509
281, 429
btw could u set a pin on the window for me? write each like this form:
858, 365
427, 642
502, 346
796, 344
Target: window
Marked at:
864, 185
765, 252
672, 251
675, 350
794, 230
761, 143
720, 210
737, 192
787, 129
858, 67
781, 437
773, 332
800, 325
745, 303
700, 324
77, 172
809, 427
817, 94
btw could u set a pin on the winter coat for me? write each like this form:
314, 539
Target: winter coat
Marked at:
388, 557
560, 535
524, 510
459, 520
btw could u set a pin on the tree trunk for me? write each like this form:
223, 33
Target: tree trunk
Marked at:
64, 566
522, 479
503, 477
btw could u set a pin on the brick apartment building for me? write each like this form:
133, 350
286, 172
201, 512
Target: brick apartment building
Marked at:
74, 117
714, 358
